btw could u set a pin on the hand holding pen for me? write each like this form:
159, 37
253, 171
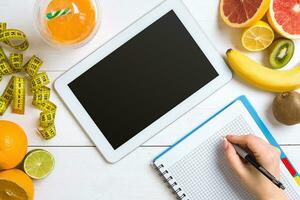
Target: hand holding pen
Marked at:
254, 180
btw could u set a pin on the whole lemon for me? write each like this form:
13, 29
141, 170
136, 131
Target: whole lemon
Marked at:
13, 144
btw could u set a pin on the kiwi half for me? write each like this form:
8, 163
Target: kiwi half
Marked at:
282, 51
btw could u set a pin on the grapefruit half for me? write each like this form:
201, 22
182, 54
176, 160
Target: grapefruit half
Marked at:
284, 17
243, 13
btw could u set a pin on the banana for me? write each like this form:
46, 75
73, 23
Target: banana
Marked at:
261, 76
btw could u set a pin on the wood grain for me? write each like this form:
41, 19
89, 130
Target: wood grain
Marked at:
81, 172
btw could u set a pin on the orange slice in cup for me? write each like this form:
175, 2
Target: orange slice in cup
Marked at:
72, 21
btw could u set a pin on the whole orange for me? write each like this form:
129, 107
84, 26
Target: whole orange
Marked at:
13, 144
15, 185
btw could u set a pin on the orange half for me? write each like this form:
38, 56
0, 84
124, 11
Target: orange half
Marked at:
15, 185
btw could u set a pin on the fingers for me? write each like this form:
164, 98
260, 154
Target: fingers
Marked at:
259, 148
233, 158
255, 144
267, 155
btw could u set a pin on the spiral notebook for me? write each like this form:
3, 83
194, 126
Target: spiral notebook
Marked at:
195, 167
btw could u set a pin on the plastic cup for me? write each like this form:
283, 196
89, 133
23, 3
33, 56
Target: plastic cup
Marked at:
67, 23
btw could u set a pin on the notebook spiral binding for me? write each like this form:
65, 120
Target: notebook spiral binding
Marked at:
168, 179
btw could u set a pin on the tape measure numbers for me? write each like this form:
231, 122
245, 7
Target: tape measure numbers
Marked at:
15, 89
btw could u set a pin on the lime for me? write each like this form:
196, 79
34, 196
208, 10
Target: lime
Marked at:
38, 163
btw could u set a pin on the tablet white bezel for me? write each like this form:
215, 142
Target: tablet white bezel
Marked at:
75, 107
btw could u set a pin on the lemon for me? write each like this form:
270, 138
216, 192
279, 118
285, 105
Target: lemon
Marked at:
38, 164
258, 37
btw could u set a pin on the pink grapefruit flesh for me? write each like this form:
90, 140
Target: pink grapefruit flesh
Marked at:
287, 14
243, 13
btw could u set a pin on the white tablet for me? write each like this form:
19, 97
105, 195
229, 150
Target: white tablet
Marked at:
143, 79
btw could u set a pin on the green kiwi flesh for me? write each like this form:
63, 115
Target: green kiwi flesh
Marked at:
282, 51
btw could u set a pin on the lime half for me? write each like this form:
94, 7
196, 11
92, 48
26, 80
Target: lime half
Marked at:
38, 164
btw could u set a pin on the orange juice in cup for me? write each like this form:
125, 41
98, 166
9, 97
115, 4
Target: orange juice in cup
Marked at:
67, 23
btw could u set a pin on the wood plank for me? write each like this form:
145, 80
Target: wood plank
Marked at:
81, 173
224, 37
69, 133
116, 16
261, 101
121, 15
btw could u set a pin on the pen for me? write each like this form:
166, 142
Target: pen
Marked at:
245, 155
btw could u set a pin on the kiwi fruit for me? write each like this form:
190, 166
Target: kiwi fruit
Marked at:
286, 108
282, 51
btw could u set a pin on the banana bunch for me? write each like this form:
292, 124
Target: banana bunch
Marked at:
261, 76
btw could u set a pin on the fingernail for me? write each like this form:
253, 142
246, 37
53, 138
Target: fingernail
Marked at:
225, 143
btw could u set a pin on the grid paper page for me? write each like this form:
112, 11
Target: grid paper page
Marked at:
204, 173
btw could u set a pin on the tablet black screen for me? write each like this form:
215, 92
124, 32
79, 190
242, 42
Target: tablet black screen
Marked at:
143, 79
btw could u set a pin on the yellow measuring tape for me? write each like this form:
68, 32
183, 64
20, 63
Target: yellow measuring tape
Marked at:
15, 89
46, 119
13, 38
39, 80
9, 90
2, 55
18, 95
48, 132
3, 105
5, 68
41, 95
16, 61
33, 65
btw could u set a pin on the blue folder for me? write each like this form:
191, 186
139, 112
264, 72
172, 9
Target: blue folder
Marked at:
261, 125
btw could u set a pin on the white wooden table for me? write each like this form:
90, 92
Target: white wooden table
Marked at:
81, 172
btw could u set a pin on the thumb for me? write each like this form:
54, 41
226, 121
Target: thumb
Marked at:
234, 159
